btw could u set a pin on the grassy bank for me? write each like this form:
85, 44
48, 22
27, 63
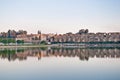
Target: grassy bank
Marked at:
22, 46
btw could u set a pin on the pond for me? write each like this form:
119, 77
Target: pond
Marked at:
60, 64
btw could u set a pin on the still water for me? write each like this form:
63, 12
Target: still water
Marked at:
60, 64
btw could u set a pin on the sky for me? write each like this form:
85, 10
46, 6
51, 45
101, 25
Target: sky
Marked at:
60, 16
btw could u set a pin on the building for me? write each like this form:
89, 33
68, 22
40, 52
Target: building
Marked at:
84, 37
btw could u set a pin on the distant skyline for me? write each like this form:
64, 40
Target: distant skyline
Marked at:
60, 16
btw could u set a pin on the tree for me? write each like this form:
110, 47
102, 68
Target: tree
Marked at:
11, 41
0, 39
86, 31
43, 42
4, 41
20, 41
83, 31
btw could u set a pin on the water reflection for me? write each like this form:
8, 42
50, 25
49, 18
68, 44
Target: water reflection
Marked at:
82, 54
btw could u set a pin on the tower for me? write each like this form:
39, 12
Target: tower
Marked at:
39, 33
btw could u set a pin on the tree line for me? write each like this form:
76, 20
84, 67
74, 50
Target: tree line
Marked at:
10, 40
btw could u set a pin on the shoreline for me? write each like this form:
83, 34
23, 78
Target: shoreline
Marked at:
23, 46
59, 46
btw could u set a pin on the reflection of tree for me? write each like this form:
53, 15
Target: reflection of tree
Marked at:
83, 54
9, 54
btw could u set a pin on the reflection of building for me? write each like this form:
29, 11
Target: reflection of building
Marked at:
83, 54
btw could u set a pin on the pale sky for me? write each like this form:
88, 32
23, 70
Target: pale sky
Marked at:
60, 16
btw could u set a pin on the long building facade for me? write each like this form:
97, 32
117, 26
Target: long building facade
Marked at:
112, 37
81, 37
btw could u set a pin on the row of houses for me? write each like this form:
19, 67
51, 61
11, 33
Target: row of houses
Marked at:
86, 37
80, 37
27, 38
34, 38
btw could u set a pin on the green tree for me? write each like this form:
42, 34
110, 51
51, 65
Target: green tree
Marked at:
4, 41
20, 41
0, 39
11, 41
43, 42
